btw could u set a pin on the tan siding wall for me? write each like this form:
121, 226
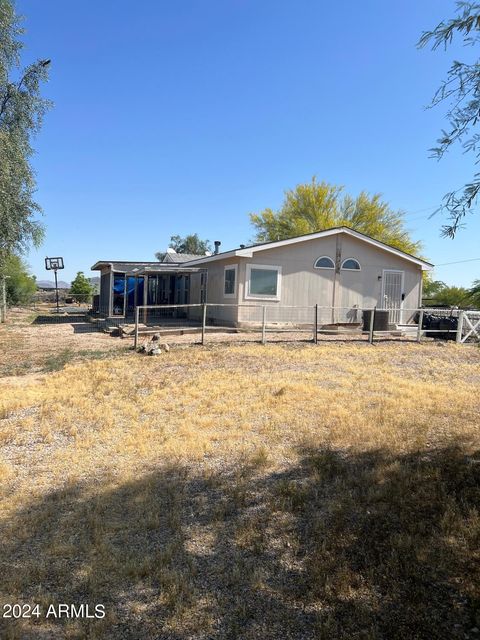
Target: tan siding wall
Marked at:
195, 288
215, 289
302, 285
195, 313
364, 288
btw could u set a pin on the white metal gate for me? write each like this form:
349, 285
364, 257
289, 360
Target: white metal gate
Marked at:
392, 293
468, 326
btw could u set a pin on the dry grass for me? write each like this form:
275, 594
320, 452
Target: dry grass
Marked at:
27, 348
326, 491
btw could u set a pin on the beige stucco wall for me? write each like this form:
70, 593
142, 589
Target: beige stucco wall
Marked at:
302, 285
215, 289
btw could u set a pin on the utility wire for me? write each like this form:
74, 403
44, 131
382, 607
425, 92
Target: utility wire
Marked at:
444, 264
409, 213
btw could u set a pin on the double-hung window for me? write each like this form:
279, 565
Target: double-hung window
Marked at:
230, 281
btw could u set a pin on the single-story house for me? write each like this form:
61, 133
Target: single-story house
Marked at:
338, 268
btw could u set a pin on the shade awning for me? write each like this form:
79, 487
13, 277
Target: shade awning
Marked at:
163, 270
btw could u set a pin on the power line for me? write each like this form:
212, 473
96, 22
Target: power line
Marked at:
428, 215
444, 264
409, 213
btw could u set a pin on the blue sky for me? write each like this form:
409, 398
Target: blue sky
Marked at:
174, 118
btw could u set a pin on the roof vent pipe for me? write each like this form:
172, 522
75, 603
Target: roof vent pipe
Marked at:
217, 244
242, 246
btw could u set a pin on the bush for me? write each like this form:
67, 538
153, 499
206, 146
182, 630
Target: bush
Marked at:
21, 286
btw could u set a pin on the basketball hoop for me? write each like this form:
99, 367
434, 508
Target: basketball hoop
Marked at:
54, 264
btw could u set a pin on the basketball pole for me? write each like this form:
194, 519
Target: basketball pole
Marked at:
56, 290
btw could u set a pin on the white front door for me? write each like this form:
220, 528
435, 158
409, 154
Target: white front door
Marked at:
392, 293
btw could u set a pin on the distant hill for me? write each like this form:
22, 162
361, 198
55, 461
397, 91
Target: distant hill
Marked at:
50, 284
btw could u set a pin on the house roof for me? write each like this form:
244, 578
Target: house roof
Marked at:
247, 252
163, 268
123, 266
179, 258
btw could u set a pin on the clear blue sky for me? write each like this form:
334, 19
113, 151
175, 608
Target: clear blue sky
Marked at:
173, 118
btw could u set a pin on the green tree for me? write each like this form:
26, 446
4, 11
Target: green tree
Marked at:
437, 292
20, 285
432, 288
316, 206
81, 287
460, 92
453, 296
475, 293
188, 244
21, 112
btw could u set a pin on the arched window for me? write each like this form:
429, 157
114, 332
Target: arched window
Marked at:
351, 264
324, 263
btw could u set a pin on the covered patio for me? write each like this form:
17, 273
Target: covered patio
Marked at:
126, 285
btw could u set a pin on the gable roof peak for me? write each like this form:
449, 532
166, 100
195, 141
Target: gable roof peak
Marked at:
247, 252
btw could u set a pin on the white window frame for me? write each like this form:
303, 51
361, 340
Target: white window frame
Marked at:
230, 267
326, 268
266, 267
347, 269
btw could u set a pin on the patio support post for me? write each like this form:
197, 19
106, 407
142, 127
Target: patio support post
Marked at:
315, 325
204, 321
135, 342
372, 324
125, 296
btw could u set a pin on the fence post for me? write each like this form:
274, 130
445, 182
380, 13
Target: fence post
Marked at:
420, 326
372, 322
315, 324
264, 324
204, 321
460, 326
135, 341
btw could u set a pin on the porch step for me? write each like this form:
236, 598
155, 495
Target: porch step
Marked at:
407, 328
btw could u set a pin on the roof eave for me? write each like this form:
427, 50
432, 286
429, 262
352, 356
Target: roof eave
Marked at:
248, 252
220, 256
99, 264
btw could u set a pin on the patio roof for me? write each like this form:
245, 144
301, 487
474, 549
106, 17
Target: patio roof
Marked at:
164, 269
144, 268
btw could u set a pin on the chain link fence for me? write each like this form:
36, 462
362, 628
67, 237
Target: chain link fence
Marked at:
212, 322
268, 323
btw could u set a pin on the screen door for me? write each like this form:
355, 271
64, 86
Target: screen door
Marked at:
392, 294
